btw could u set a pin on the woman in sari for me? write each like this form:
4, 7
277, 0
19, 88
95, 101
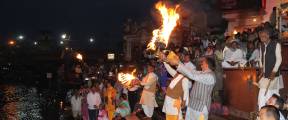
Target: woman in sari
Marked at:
110, 95
123, 108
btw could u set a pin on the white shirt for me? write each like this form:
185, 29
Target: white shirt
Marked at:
227, 53
76, 103
189, 65
93, 99
255, 55
236, 56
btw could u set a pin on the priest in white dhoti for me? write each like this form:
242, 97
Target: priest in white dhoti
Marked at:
270, 61
200, 96
177, 94
233, 56
148, 100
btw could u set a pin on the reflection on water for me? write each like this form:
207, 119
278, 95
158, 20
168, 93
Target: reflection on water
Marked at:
19, 103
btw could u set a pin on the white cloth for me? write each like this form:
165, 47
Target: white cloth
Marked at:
186, 84
76, 114
93, 99
148, 99
190, 66
76, 106
227, 53
262, 99
281, 116
169, 109
168, 106
148, 80
236, 56
205, 43
277, 83
255, 55
148, 110
174, 82
75, 103
195, 115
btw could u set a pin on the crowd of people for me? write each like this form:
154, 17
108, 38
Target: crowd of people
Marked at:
186, 79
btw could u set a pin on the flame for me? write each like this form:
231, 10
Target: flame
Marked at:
126, 78
11, 42
169, 22
79, 56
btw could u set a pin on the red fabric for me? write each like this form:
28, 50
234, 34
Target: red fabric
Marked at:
263, 4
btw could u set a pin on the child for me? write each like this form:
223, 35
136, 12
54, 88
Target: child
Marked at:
102, 113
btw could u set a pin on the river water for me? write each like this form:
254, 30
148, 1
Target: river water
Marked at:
18, 102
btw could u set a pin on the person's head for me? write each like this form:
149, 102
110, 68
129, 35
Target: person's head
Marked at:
186, 58
269, 112
94, 88
207, 63
75, 93
108, 84
209, 49
234, 45
123, 96
276, 101
250, 46
150, 68
102, 106
264, 35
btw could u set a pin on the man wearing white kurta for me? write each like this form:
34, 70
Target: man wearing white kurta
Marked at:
177, 94
270, 61
233, 56
200, 96
76, 105
148, 100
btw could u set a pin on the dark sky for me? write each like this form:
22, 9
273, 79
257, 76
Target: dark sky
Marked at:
79, 17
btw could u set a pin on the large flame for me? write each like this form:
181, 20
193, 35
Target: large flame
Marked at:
126, 78
169, 22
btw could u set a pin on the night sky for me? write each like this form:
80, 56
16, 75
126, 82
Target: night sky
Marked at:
81, 18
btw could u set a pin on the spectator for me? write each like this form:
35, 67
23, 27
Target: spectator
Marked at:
93, 100
76, 105
269, 112
277, 102
84, 107
110, 95
209, 52
253, 54
103, 115
123, 108
233, 56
